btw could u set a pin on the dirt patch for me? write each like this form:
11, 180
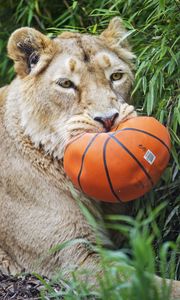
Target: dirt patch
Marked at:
20, 287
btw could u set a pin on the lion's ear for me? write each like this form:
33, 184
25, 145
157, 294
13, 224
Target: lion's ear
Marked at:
116, 35
30, 50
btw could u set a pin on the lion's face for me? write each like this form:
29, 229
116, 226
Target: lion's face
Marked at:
72, 84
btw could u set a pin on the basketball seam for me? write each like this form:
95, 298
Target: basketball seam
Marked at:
134, 157
106, 169
145, 132
83, 157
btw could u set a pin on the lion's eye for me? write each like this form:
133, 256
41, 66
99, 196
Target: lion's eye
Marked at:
116, 76
33, 59
65, 83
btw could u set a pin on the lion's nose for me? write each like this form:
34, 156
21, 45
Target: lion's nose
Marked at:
107, 121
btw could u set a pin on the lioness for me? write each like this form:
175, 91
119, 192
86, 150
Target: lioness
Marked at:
64, 86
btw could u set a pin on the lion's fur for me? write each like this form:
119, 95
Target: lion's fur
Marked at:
39, 207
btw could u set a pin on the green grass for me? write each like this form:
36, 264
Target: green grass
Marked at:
154, 26
129, 272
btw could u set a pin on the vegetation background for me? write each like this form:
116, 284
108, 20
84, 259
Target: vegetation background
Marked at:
154, 32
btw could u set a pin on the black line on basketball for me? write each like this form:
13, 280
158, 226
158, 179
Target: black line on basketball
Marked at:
134, 157
145, 132
83, 157
106, 169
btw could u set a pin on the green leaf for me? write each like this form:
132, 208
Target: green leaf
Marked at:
162, 4
150, 99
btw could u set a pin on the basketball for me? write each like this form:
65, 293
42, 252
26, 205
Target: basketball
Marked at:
120, 165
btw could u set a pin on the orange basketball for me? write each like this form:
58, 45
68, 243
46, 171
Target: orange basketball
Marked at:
120, 165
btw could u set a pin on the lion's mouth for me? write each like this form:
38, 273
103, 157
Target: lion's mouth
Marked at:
96, 128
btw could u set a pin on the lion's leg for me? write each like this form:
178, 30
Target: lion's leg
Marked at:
174, 284
116, 209
7, 265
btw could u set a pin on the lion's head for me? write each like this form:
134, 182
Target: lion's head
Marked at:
71, 84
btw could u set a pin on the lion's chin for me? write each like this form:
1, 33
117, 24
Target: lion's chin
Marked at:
77, 133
